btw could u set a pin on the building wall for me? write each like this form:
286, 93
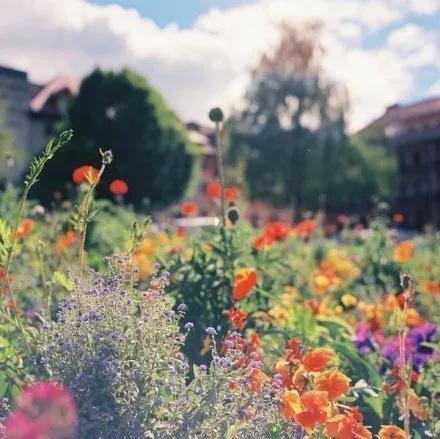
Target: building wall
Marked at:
14, 101
418, 185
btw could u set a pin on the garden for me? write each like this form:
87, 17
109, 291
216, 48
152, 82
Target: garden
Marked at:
114, 325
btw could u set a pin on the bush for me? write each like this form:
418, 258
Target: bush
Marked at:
122, 112
118, 351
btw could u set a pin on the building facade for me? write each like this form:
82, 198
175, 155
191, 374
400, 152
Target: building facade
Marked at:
29, 112
414, 134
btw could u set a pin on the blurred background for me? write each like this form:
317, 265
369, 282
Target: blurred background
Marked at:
331, 105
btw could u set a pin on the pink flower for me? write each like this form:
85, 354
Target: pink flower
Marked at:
44, 409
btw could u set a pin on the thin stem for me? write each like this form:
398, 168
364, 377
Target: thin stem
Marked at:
8, 265
220, 169
85, 217
405, 374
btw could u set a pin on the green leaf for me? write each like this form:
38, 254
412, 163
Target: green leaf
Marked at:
358, 363
62, 280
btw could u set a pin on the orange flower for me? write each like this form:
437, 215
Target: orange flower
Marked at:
431, 286
262, 241
25, 227
63, 241
214, 190
233, 386
257, 379
333, 382
346, 427
416, 405
118, 187
231, 194
391, 432
188, 208
293, 350
236, 317
244, 280
403, 251
143, 263
398, 218
253, 339
299, 378
290, 404
304, 228
85, 173
316, 360
316, 409
277, 230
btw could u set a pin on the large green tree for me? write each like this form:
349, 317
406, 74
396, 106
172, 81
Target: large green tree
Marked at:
122, 112
291, 136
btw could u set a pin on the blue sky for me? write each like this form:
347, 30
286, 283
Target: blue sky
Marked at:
199, 53
182, 12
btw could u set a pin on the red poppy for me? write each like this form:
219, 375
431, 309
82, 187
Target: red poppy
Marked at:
398, 218
85, 173
244, 280
189, 208
293, 350
231, 194
262, 241
236, 317
214, 190
118, 187
277, 230
304, 228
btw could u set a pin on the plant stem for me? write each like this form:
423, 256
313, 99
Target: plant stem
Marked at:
8, 264
220, 169
405, 373
85, 217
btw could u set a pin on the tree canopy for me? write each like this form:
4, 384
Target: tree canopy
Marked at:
122, 112
291, 136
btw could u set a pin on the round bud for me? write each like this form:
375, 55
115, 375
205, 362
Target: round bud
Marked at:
233, 215
216, 115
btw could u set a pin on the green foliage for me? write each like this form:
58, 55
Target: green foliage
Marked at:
122, 112
291, 137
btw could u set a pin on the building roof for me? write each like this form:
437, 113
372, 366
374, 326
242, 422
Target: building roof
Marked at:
202, 136
7, 71
403, 113
57, 85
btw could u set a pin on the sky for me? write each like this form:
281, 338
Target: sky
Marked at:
198, 53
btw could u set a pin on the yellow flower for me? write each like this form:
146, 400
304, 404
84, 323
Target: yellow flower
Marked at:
348, 300
146, 247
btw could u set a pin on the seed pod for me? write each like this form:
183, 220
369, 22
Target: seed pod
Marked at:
216, 115
233, 215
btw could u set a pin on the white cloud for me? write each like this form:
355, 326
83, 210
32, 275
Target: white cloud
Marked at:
208, 64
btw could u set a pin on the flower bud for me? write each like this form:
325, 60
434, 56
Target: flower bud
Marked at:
216, 115
107, 156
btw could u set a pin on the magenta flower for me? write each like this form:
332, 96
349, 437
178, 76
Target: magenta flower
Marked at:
43, 410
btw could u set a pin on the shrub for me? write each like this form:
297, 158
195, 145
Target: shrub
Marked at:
122, 112
117, 350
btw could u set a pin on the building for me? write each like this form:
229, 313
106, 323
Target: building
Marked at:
29, 112
414, 134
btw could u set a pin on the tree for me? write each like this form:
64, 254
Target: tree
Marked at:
291, 135
122, 112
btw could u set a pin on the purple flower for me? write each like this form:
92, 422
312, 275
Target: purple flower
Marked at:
362, 338
211, 331
188, 326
